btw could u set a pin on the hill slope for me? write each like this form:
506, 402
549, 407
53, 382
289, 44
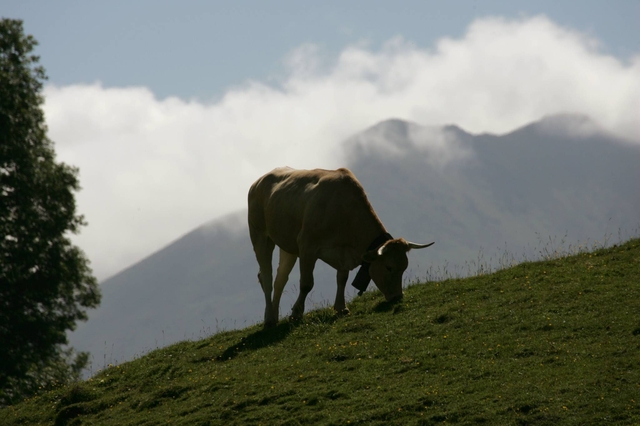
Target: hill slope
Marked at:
466, 192
545, 343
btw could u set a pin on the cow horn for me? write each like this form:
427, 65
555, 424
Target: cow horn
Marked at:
418, 246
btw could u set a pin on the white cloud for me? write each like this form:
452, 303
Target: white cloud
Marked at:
153, 169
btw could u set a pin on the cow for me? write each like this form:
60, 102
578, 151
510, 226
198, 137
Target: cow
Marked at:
321, 214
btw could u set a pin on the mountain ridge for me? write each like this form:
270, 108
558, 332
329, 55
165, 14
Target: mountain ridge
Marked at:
470, 193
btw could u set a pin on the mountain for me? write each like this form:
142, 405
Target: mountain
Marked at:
203, 283
558, 181
559, 176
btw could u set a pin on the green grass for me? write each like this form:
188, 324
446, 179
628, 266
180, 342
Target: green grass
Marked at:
544, 343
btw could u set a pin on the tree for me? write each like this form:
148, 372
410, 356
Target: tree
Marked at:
46, 284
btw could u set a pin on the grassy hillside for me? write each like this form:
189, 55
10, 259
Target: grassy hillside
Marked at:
554, 342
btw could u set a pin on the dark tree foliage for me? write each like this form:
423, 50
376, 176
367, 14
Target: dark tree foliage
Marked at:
46, 284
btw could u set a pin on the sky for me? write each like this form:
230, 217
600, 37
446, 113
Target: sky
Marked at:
172, 109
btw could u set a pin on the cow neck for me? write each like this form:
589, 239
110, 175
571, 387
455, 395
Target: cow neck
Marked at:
362, 279
380, 240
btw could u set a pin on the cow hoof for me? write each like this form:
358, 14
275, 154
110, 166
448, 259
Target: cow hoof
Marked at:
296, 314
343, 312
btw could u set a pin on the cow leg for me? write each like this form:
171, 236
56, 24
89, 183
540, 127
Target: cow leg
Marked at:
287, 261
263, 247
307, 264
340, 306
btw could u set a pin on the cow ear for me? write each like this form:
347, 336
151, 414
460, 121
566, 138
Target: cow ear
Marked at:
370, 256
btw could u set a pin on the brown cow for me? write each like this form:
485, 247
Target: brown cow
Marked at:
321, 214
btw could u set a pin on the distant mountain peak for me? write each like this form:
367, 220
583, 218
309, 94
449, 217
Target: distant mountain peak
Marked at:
567, 117
571, 125
393, 122
457, 130
397, 126
561, 124
390, 127
568, 120
394, 138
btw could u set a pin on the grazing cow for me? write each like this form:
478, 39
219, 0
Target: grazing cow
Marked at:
321, 214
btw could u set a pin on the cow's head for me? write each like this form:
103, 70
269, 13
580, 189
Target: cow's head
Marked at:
388, 263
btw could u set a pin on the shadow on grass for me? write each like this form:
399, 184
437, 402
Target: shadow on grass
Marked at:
384, 306
259, 339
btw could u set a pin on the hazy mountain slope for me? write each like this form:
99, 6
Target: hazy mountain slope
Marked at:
536, 182
173, 294
204, 282
466, 192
